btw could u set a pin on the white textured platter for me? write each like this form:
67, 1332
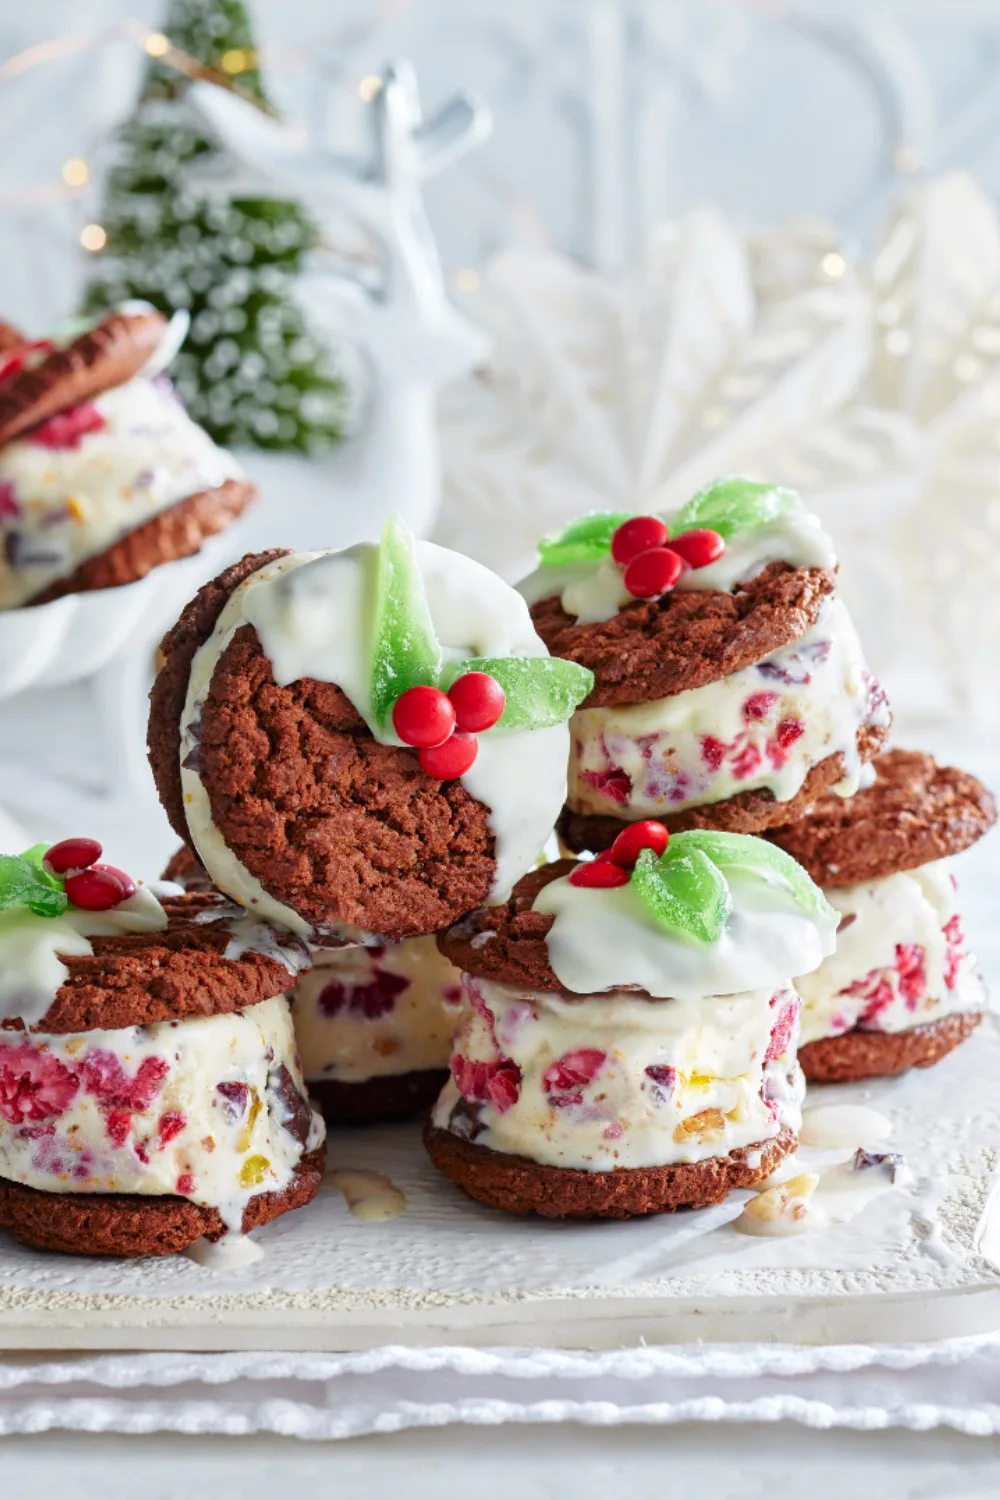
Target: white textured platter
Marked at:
922, 1261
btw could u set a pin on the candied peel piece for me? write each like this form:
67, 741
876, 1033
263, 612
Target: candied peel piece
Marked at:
706, 1125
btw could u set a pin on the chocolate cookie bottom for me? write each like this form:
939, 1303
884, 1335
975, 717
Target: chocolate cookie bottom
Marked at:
179, 531
373, 1101
746, 812
521, 1186
129, 1224
883, 1054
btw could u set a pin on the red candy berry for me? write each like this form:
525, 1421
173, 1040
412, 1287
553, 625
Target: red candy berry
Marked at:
599, 873
126, 882
423, 717
699, 547
630, 843
451, 759
95, 890
652, 573
72, 854
478, 701
635, 536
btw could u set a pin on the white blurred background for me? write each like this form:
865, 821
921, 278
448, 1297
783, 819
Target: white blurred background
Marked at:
610, 114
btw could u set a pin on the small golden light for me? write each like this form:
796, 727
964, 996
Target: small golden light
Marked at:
905, 159
93, 237
75, 171
369, 87
467, 280
156, 44
834, 265
236, 60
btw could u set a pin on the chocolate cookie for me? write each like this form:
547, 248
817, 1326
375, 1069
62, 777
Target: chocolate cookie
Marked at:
745, 812
138, 978
688, 638
507, 943
131, 1224
104, 356
335, 825
520, 1186
374, 1101
883, 1054
916, 812
179, 531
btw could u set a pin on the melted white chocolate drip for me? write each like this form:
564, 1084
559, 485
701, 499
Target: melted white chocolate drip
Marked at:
368, 1195
606, 939
596, 591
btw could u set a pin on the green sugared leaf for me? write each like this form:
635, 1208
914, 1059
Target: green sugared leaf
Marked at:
740, 854
732, 505
34, 856
405, 649
539, 690
684, 891
587, 539
21, 884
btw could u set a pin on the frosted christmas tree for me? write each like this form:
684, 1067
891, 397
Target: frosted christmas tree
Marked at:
250, 372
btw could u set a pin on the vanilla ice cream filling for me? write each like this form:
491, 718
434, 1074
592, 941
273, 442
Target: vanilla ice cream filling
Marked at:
61, 506
614, 1081
900, 959
762, 728
377, 1012
212, 1109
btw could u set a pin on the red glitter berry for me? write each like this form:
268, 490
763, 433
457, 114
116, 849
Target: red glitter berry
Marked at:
451, 759
646, 834
600, 874
95, 890
423, 717
73, 854
699, 547
652, 573
478, 701
637, 535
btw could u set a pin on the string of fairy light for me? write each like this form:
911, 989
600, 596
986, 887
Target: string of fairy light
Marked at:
76, 172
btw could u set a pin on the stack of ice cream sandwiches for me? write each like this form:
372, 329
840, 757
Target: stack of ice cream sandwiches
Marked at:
103, 476
362, 747
150, 1093
731, 693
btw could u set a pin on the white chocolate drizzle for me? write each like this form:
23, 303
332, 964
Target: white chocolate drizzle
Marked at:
606, 939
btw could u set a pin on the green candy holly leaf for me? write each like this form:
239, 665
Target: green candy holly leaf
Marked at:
406, 652
587, 539
684, 891
740, 855
24, 883
539, 691
732, 505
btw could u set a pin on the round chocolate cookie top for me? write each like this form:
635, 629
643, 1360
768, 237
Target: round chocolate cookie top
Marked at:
507, 943
138, 978
915, 812
336, 826
108, 354
687, 638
